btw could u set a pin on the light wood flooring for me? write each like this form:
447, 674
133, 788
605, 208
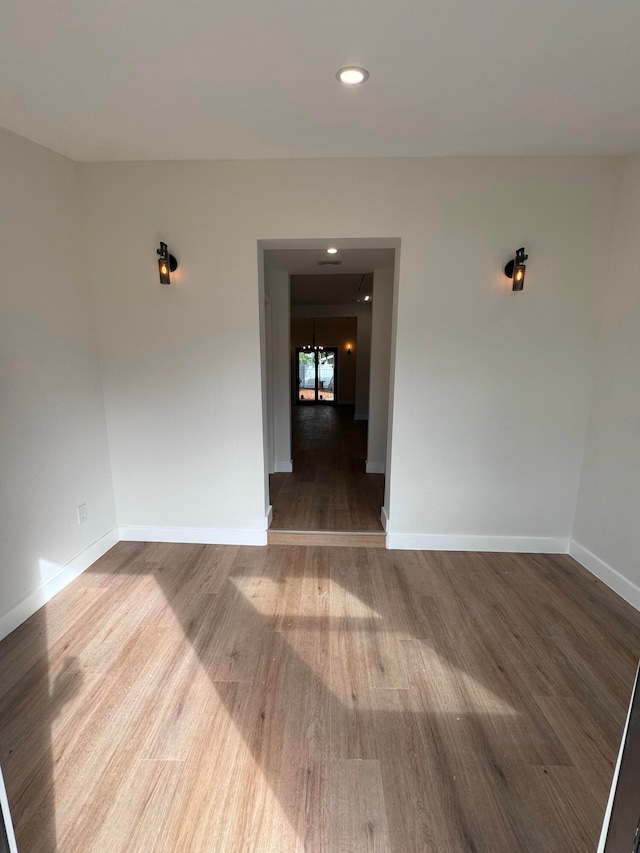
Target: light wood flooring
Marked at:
328, 489
223, 699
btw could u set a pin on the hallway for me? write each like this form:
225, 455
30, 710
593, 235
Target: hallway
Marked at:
329, 489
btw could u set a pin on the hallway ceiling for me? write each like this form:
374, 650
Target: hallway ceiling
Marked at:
305, 261
156, 79
330, 289
330, 285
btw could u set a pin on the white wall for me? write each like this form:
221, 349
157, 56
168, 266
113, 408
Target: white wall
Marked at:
277, 285
53, 440
492, 388
362, 312
381, 321
607, 522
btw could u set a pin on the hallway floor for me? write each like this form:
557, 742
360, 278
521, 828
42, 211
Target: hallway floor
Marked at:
329, 489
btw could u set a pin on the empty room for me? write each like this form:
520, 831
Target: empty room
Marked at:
319, 427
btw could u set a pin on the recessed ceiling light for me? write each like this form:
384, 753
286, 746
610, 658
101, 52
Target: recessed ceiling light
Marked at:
332, 251
367, 298
352, 75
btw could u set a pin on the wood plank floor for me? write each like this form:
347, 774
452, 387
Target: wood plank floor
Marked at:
328, 538
217, 698
328, 489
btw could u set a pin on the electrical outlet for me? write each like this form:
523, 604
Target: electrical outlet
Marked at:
82, 513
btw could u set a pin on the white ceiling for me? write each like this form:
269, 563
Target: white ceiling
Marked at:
158, 79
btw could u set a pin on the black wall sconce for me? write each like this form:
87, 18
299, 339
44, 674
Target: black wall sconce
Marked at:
515, 269
166, 264
348, 349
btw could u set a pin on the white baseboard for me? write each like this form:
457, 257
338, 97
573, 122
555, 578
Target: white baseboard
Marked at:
374, 467
269, 517
63, 576
194, 535
440, 542
384, 518
606, 573
361, 416
284, 467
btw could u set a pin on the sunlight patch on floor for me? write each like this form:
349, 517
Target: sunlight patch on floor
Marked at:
448, 689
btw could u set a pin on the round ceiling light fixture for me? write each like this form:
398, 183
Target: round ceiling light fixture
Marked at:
332, 251
352, 75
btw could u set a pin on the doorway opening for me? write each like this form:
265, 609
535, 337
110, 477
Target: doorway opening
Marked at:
327, 382
328, 488
316, 374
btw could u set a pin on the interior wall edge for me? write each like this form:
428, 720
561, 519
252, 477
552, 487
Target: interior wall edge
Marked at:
196, 535
606, 573
34, 600
446, 542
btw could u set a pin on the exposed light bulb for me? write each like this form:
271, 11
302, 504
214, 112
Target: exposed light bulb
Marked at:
367, 298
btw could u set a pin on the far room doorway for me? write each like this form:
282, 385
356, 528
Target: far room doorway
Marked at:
328, 456
316, 374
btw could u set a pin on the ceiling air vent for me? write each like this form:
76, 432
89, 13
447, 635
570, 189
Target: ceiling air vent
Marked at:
329, 263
